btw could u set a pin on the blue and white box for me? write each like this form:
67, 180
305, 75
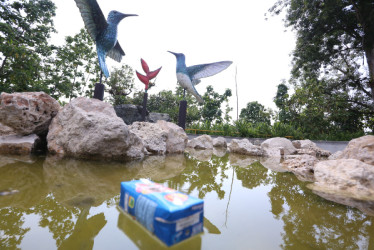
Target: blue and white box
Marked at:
169, 214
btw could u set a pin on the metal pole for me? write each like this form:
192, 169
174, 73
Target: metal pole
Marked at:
182, 114
144, 110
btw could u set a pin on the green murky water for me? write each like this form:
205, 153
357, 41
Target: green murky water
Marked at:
72, 204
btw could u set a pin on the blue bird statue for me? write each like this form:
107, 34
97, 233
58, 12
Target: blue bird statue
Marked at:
102, 31
188, 77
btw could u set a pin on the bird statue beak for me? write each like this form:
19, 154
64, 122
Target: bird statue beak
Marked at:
127, 15
172, 53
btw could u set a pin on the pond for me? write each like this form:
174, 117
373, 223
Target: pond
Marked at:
73, 204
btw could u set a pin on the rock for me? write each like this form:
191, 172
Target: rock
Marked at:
301, 165
28, 113
153, 136
296, 144
133, 113
272, 146
257, 142
219, 142
129, 113
310, 148
154, 117
201, 142
336, 155
19, 145
89, 128
345, 177
361, 149
5, 130
243, 146
304, 151
176, 138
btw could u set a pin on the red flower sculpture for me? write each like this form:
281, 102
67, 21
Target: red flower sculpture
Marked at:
149, 74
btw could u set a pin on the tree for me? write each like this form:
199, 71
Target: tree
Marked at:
255, 113
211, 108
25, 26
73, 70
168, 102
121, 84
332, 38
281, 100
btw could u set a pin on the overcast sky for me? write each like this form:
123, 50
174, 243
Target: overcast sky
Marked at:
205, 31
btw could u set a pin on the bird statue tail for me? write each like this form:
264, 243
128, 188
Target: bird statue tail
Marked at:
102, 65
198, 97
191, 89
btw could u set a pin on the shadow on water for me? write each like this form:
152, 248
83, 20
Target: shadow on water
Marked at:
247, 201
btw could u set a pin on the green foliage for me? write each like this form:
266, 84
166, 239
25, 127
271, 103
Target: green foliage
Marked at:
333, 89
121, 84
281, 100
74, 69
211, 109
25, 26
255, 113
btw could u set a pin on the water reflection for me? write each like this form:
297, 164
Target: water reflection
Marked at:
72, 200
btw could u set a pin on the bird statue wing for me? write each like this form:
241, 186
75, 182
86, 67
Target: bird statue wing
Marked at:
92, 16
205, 70
116, 53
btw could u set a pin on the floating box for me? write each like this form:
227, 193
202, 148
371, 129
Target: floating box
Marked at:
169, 214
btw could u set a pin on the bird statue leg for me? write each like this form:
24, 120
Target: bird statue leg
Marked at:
184, 94
101, 76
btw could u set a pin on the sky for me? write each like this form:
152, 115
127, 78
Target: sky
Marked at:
205, 31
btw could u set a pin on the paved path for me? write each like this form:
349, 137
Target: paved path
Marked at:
331, 146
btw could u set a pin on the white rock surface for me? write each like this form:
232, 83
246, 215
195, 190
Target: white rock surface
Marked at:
276, 146
219, 142
19, 145
243, 146
89, 128
27, 112
361, 149
153, 136
347, 177
201, 142
176, 138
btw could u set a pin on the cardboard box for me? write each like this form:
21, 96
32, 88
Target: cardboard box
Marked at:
169, 214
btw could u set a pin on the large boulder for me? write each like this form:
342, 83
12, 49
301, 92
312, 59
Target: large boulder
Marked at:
133, 113
201, 142
176, 137
219, 142
129, 113
301, 165
27, 113
309, 147
244, 147
153, 136
19, 145
278, 146
154, 117
345, 177
5, 130
361, 149
89, 128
